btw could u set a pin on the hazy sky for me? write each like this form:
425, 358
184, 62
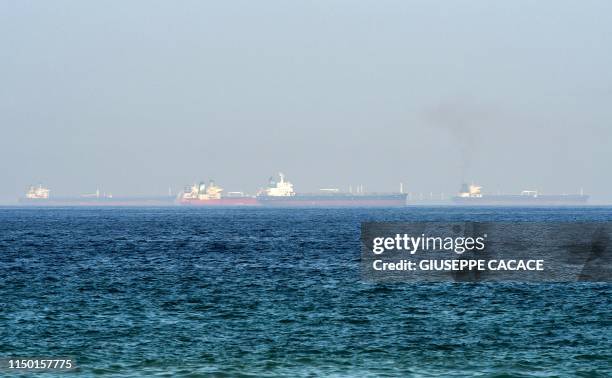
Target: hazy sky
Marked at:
137, 96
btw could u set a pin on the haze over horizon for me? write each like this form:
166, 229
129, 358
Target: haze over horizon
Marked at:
136, 97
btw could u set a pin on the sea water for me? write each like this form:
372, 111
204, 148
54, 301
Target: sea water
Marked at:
277, 292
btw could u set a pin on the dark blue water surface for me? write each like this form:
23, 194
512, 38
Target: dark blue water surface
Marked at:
261, 292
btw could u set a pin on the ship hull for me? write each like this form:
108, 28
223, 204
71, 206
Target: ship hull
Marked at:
96, 202
339, 200
221, 202
520, 200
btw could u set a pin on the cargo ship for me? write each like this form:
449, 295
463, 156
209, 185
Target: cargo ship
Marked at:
212, 195
472, 195
280, 193
41, 196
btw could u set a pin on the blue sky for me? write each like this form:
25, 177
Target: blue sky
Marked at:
134, 97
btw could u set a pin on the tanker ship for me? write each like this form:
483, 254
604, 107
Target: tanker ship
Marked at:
472, 195
41, 196
281, 194
212, 195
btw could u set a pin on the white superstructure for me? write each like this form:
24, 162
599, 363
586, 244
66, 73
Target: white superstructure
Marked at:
279, 188
39, 192
202, 191
472, 191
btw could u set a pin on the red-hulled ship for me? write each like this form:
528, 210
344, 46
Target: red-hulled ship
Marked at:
212, 195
